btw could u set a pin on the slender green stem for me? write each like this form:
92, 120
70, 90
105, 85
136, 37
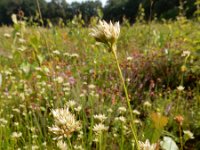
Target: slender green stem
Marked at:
70, 144
39, 11
133, 129
181, 138
100, 141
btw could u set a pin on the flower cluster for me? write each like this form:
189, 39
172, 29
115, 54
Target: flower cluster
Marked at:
147, 145
65, 123
107, 33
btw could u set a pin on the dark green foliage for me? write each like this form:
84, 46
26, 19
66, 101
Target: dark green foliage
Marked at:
57, 10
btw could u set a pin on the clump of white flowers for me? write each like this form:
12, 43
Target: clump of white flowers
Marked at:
106, 33
65, 123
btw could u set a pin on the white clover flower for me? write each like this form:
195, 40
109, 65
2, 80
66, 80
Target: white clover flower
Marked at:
74, 55
122, 109
21, 40
180, 88
14, 18
121, 118
71, 103
107, 33
65, 123
189, 134
91, 86
137, 121
100, 117
147, 146
147, 104
56, 52
62, 145
34, 147
186, 53
98, 128
7, 35
3, 122
16, 134
59, 79
78, 147
136, 112
129, 58
78, 109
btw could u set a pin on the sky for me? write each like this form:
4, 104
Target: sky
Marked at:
70, 1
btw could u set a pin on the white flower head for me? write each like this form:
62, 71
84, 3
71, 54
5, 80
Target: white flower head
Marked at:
98, 128
180, 88
16, 134
14, 18
62, 145
100, 117
147, 104
147, 145
188, 134
65, 123
186, 54
107, 33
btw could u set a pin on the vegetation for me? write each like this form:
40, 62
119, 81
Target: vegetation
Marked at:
58, 11
61, 89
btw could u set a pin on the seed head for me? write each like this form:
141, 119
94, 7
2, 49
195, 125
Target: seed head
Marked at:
179, 119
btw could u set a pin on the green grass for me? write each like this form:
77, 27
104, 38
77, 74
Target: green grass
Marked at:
45, 68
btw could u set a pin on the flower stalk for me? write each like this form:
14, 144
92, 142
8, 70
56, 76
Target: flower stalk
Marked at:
108, 34
133, 129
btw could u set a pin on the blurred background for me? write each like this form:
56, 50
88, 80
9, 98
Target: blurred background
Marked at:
65, 10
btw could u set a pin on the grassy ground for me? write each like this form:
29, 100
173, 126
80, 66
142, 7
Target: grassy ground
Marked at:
42, 69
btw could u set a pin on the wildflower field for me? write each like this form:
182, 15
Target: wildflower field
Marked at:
106, 86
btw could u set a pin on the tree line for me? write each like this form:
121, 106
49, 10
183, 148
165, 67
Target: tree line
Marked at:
57, 10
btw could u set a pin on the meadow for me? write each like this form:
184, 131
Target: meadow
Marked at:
60, 89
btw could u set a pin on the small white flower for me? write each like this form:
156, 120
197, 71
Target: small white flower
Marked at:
147, 146
62, 145
122, 109
59, 79
186, 53
180, 88
91, 86
129, 58
100, 117
136, 112
56, 52
16, 134
21, 40
14, 18
121, 118
189, 134
137, 121
7, 35
98, 128
74, 55
147, 104
34, 147
78, 109
71, 103
3, 121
